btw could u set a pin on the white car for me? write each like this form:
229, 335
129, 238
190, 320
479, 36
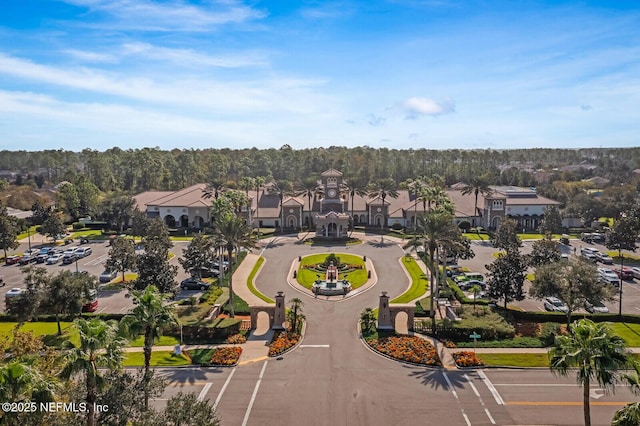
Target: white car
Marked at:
608, 276
54, 258
604, 258
636, 271
70, 250
598, 308
555, 305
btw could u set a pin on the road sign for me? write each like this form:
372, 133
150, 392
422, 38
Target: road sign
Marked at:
474, 335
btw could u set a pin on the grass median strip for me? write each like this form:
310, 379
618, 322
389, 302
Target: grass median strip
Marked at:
158, 359
419, 282
515, 360
252, 275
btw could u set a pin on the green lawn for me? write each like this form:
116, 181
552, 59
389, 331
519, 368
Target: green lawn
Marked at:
629, 332
201, 356
162, 341
47, 329
92, 234
516, 360
252, 275
158, 359
307, 277
25, 234
419, 282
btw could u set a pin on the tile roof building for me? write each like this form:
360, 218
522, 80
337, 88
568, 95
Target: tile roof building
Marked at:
187, 208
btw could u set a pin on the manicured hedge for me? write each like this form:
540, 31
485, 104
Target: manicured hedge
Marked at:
65, 318
212, 331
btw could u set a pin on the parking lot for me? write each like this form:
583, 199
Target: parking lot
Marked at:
108, 301
484, 254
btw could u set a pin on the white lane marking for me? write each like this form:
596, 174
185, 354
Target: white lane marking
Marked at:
486, 410
475, 390
224, 387
466, 419
314, 346
204, 391
537, 384
453, 391
491, 388
253, 396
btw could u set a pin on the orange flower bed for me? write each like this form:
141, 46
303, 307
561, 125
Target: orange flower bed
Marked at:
467, 359
407, 348
282, 342
236, 339
226, 355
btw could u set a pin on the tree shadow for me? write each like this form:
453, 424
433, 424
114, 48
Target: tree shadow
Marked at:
184, 377
381, 243
434, 378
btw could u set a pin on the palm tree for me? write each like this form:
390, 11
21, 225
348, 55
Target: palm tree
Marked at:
416, 188
282, 189
355, 186
629, 415
215, 188
307, 188
477, 185
295, 314
247, 183
150, 317
233, 233
594, 353
437, 230
259, 182
383, 188
20, 381
367, 319
100, 346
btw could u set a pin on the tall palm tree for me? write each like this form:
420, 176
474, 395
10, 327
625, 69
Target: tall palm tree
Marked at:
247, 183
594, 353
477, 185
19, 381
383, 188
259, 184
629, 415
100, 346
307, 188
355, 186
234, 233
150, 317
281, 188
215, 188
437, 230
415, 187
295, 313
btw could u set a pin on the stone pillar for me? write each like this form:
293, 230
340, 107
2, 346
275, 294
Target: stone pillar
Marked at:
279, 316
384, 313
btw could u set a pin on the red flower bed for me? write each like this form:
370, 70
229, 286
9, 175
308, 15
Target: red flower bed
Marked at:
282, 342
228, 355
236, 339
407, 348
467, 359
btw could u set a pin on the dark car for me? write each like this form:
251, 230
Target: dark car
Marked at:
84, 240
205, 273
69, 258
194, 284
30, 258
42, 257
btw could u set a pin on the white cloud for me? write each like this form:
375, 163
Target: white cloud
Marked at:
174, 15
414, 108
87, 56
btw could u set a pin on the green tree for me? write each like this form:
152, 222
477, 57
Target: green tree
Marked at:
53, 227
187, 409
198, 254
506, 236
21, 382
116, 210
26, 305
383, 188
122, 255
65, 293
622, 237
150, 317
308, 189
68, 199
100, 347
88, 194
574, 282
153, 265
544, 252
506, 277
594, 353
281, 188
8, 231
139, 223
629, 415
552, 222
259, 182
234, 233
477, 185
355, 186
368, 320
295, 314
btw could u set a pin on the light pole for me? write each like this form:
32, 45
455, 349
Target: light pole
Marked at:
29, 236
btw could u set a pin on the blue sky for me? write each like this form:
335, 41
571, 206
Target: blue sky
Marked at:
435, 74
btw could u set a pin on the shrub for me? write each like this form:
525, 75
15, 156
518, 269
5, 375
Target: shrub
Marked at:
407, 348
467, 359
549, 332
77, 226
282, 342
226, 355
331, 258
236, 339
396, 226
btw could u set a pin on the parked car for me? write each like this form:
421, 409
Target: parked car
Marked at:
589, 253
626, 273
468, 285
607, 276
108, 275
70, 250
12, 260
597, 308
42, 257
205, 273
636, 271
565, 240
604, 258
54, 258
83, 252
84, 240
69, 258
216, 265
27, 259
554, 304
194, 284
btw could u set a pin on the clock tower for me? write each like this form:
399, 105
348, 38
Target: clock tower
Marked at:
332, 184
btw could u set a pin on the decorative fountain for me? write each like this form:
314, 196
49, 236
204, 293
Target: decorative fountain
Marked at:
331, 285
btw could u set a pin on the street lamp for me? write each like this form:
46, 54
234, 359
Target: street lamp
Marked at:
29, 236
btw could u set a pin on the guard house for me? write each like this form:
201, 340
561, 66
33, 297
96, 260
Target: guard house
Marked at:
332, 225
